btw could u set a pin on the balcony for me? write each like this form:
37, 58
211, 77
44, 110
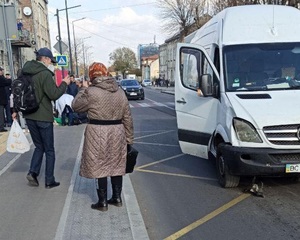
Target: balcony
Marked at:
24, 39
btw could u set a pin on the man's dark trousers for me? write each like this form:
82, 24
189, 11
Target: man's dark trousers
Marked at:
43, 139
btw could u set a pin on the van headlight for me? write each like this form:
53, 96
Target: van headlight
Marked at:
245, 131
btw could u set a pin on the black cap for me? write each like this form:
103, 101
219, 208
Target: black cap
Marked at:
1, 68
47, 53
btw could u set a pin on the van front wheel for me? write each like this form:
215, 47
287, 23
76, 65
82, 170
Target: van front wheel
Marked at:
226, 180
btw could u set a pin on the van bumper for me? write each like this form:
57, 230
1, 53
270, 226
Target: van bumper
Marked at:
259, 161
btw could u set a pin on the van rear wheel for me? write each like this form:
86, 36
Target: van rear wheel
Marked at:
226, 180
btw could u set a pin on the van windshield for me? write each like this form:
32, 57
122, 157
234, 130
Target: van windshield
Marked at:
255, 67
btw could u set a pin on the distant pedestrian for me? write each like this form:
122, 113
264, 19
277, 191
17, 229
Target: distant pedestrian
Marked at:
3, 98
40, 123
108, 134
20, 28
7, 107
72, 88
157, 82
167, 83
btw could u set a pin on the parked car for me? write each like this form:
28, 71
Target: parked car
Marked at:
146, 82
132, 89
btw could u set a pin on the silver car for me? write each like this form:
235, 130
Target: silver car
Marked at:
146, 82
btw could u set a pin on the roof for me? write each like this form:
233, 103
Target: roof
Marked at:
254, 24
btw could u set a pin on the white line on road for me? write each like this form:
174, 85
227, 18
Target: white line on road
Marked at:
63, 218
11, 162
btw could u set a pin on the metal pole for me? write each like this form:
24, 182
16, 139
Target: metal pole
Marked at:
84, 67
59, 41
8, 44
70, 50
75, 46
84, 72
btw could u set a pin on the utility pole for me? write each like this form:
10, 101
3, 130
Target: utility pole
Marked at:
83, 51
75, 46
59, 41
70, 50
59, 34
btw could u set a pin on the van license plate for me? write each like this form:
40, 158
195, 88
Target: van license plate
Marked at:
292, 168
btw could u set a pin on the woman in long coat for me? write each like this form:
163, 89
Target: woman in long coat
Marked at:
108, 134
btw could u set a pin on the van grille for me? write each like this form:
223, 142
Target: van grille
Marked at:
283, 134
286, 158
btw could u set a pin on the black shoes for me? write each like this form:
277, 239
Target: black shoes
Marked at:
52, 185
32, 179
101, 205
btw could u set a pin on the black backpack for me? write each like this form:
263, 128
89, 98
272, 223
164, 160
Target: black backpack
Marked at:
24, 97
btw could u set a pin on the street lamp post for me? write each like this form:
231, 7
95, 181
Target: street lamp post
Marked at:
75, 46
59, 35
83, 51
70, 50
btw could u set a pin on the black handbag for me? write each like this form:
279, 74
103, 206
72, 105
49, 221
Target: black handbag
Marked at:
131, 160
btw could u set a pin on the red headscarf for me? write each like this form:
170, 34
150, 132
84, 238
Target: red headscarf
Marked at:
97, 69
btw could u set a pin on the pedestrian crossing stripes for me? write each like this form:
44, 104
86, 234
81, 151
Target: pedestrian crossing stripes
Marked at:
150, 104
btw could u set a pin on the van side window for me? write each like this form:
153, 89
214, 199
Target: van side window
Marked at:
193, 64
190, 68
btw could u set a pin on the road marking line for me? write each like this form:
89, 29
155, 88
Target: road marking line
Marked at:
174, 174
11, 162
154, 134
144, 104
160, 161
208, 217
158, 103
157, 144
64, 215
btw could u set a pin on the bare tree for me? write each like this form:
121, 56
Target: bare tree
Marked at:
180, 15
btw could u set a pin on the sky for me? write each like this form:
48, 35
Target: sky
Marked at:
108, 25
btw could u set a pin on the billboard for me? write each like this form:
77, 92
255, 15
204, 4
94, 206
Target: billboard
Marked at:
147, 50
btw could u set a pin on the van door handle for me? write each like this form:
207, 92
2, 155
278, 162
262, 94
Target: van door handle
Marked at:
181, 101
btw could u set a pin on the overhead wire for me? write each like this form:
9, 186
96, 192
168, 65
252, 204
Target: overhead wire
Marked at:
108, 39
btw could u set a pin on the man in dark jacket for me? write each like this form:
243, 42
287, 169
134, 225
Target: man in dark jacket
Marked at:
40, 123
3, 98
72, 88
7, 107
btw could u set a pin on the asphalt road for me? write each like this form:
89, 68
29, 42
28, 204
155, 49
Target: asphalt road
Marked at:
179, 195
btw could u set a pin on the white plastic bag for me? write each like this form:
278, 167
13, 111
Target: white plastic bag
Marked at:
17, 141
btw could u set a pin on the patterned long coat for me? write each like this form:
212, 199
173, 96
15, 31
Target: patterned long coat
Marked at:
105, 146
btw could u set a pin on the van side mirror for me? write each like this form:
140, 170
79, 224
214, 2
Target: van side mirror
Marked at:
206, 85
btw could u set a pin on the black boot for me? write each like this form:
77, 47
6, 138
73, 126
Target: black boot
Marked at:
116, 199
101, 205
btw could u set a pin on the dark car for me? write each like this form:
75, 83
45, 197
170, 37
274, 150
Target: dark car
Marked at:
132, 89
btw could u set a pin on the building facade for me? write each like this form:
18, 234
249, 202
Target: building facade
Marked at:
150, 67
167, 55
32, 33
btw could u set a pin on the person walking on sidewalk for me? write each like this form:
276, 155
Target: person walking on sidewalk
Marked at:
7, 107
3, 98
40, 123
107, 136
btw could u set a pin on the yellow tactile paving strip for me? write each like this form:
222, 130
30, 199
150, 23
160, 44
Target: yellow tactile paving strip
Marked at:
3, 140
